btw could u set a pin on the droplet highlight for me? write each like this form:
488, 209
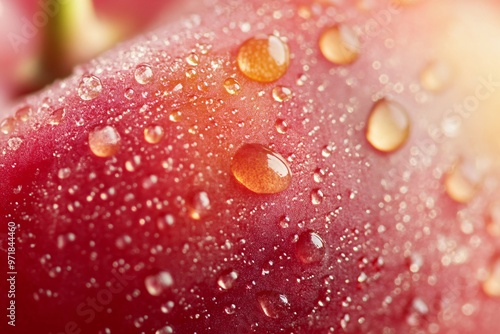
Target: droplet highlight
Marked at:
260, 169
89, 88
264, 58
232, 86
282, 94
310, 248
227, 279
388, 126
104, 141
273, 304
143, 74
153, 134
339, 45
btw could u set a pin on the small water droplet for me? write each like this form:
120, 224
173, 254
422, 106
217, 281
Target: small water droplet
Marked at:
318, 175
23, 114
462, 181
89, 88
493, 219
388, 126
165, 330
310, 248
339, 44
156, 284
64, 173
284, 222
436, 76
282, 94
14, 143
230, 309
273, 304
64, 239
192, 59
263, 58
8, 125
56, 116
317, 196
191, 73
175, 116
281, 126
167, 307
165, 221
199, 205
226, 279
232, 86
104, 141
143, 74
129, 94
260, 169
154, 133
417, 310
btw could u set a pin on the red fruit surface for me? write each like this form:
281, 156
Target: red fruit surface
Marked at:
152, 233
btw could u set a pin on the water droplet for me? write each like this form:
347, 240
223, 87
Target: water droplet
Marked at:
56, 116
284, 222
260, 169
156, 284
264, 58
165, 221
226, 279
232, 86
89, 88
491, 286
273, 304
23, 114
192, 59
317, 196
230, 309
339, 44
167, 307
462, 181
143, 74
435, 76
493, 219
282, 94
129, 94
165, 330
175, 116
8, 125
200, 204
310, 248
153, 134
104, 141
281, 126
14, 143
191, 73
388, 126
64, 173
318, 175
64, 239
417, 310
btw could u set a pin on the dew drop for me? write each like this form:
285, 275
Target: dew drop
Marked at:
199, 205
167, 307
435, 76
260, 169
191, 73
281, 126
165, 330
318, 175
143, 74
273, 304
339, 44
417, 312
226, 279
8, 125
462, 181
153, 134
175, 116
282, 94
14, 143
310, 248
263, 58
493, 219
64, 173
491, 286
230, 309
23, 114
129, 94
388, 126
192, 59
317, 196
89, 88
156, 284
232, 86
104, 141
57, 116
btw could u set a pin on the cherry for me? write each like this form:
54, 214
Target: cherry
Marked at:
263, 167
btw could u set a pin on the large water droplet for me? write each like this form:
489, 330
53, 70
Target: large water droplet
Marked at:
232, 86
435, 76
273, 304
339, 44
104, 141
388, 126
281, 126
491, 286
89, 88
260, 169
8, 125
192, 59
23, 114
154, 133
226, 279
56, 116
317, 196
264, 58
462, 181
156, 284
310, 248
143, 74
